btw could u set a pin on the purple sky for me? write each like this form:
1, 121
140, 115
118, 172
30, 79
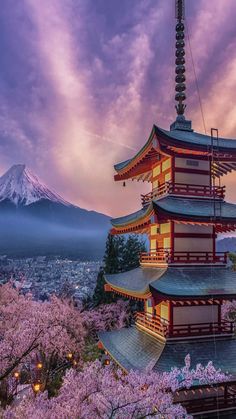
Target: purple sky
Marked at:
83, 81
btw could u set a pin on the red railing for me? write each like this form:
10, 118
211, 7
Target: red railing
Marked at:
153, 323
184, 189
200, 329
169, 257
206, 398
161, 326
154, 257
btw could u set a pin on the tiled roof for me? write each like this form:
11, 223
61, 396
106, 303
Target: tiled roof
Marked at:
222, 352
135, 281
199, 208
131, 348
131, 218
196, 138
181, 138
135, 349
177, 282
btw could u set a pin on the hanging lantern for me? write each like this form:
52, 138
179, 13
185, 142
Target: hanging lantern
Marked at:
39, 365
16, 375
36, 387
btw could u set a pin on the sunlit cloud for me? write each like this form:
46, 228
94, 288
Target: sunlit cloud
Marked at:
93, 79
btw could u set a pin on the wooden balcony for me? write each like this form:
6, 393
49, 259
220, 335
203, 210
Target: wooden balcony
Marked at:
162, 327
199, 191
208, 399
168, 257
153, 323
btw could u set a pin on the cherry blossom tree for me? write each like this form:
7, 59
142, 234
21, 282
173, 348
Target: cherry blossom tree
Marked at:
105, 392
46, 337
33, 331
106, 317
229, 311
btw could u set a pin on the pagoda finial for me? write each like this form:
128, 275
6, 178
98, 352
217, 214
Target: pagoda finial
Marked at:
180, 78
180, 58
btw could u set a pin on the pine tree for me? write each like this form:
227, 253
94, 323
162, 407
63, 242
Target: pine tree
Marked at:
100, 296
131, 255
113, 258
112, 264
121, 255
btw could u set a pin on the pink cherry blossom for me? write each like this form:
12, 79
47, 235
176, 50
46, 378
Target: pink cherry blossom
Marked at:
105, 392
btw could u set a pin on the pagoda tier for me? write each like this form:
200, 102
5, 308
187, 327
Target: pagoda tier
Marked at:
220, 214
133, 349
174, 283
182, 282
179, 144
179, 303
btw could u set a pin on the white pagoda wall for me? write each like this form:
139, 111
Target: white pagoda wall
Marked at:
193, 244
195, 315
192, 178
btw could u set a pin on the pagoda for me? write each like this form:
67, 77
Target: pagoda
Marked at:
182, 281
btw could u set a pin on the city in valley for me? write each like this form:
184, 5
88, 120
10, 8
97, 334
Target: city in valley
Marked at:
44, 276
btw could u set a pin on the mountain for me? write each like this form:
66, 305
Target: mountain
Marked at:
21, 187
35, 220
227, 244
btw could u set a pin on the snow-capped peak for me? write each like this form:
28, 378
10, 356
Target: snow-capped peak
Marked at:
21, 186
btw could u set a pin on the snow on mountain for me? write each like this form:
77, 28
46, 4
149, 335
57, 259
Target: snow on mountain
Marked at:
22, 187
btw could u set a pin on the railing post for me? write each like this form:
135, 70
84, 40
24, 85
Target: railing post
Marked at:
225, 257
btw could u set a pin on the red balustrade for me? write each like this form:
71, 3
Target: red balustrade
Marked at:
153, 323
201, 329
169, 257
202, 191
162, 327
204, 398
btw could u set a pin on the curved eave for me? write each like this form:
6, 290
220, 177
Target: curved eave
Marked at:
141, 163
175, 143
133, 222
195, 210
134, 283
194, 141
134, 349
131, 348
144, 295
195, 282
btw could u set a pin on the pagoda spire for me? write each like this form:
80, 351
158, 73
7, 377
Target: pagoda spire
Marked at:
180, 78
180, 58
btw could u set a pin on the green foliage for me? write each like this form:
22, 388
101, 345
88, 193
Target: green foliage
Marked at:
91, 351
232, 257
131, 253
120, 255
55, 384
100, 296
115, 246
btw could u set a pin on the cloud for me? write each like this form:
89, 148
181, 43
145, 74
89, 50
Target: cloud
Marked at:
85, 81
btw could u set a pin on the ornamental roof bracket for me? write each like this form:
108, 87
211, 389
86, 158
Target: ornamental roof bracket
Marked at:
180, 96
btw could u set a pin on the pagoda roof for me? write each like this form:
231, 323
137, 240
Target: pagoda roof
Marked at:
131, 348
176, 142
136, 282
178, 208
134, 349
191, 209
175, 282
191, 139
133, 218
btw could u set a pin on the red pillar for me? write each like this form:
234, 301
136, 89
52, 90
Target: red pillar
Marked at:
170, 318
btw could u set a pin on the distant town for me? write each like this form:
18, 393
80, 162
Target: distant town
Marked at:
44, 276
